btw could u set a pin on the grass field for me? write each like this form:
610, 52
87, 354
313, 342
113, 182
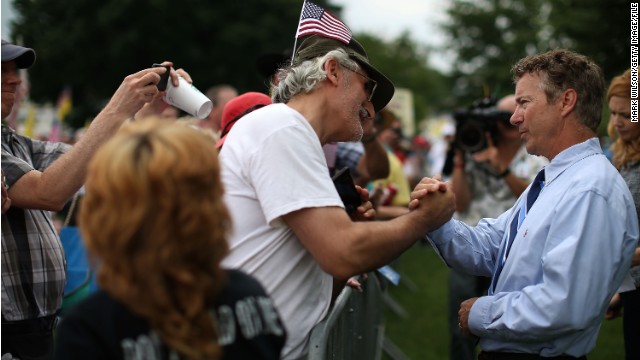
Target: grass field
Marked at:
424, 334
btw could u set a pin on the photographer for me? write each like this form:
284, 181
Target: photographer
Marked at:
491, 168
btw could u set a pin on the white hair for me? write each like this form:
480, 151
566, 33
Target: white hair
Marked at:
307, 76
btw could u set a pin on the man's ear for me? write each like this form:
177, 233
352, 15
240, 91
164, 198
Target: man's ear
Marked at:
333, 70
567, 101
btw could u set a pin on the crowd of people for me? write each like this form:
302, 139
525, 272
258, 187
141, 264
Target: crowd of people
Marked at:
226, 237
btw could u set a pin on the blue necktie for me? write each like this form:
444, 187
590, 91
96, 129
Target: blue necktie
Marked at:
536, 187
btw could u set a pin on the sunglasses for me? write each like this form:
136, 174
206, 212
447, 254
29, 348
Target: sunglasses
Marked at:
370, 85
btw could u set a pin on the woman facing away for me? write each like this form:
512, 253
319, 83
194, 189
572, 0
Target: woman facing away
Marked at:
155, 225
626, 158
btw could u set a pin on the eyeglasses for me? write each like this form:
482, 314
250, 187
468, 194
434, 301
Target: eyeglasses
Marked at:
370, 85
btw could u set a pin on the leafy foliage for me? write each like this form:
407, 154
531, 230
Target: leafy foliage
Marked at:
91, 46
489, 36
404, 62
597, 28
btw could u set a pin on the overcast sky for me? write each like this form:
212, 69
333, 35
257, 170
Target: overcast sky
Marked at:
389, 18
6, 13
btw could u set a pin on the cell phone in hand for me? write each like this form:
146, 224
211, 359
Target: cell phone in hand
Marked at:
347, 190
164, 78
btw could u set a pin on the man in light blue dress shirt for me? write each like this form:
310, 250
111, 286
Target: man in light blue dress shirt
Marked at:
572, 246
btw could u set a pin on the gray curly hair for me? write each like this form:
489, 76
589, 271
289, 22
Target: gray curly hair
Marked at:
306, 76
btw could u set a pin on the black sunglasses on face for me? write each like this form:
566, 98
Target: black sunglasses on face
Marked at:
370, 85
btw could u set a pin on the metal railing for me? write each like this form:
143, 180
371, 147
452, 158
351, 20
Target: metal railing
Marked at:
354, 327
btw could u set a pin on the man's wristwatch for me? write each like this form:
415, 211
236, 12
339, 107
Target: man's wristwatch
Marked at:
506, 172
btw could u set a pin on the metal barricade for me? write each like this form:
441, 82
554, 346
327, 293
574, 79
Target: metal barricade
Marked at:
354, 327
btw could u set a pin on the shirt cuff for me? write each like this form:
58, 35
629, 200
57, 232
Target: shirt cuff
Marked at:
440, 237
442, 234
478, 315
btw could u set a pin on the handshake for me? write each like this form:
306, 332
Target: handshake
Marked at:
432, 200
435, 199
432, 204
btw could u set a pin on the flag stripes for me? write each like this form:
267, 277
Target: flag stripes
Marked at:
316, 20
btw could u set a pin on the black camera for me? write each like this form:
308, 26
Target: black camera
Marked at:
164, 78
474, 122
347, 190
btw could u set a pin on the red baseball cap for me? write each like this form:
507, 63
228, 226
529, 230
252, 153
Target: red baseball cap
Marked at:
238, 107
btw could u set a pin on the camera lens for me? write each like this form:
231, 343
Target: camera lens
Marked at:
470, 136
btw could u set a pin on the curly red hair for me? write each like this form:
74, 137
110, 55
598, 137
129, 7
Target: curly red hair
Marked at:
154, 221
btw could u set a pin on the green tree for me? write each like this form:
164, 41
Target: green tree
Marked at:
91, 46
405, 63
597, 28
489, 36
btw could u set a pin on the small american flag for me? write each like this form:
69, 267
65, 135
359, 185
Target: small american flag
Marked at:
316, 20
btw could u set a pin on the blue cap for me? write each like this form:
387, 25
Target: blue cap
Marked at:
24, 57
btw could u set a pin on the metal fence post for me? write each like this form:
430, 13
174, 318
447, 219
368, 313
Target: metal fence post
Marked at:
354, 327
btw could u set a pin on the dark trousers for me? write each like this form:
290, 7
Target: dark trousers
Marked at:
462, 287
631, 323
485, 355
28, 339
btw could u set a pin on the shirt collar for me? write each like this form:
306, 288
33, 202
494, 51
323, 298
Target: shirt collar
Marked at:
6, 129
570, 156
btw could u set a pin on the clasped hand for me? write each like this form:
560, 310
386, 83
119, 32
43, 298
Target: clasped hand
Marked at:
436, 199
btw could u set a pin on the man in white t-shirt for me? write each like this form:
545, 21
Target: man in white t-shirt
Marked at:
290, 227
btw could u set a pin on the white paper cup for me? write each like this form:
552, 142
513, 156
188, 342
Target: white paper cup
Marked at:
188, 98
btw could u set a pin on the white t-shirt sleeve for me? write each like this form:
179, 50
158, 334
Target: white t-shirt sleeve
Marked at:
289, 173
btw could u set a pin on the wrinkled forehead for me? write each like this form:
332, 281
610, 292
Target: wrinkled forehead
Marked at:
527, 83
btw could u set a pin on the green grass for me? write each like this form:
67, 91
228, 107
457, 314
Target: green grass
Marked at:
424, 334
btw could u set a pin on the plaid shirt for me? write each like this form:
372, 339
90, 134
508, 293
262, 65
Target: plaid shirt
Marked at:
348, 155
33, 263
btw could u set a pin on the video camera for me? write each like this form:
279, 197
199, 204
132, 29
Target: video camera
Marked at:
474, 122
